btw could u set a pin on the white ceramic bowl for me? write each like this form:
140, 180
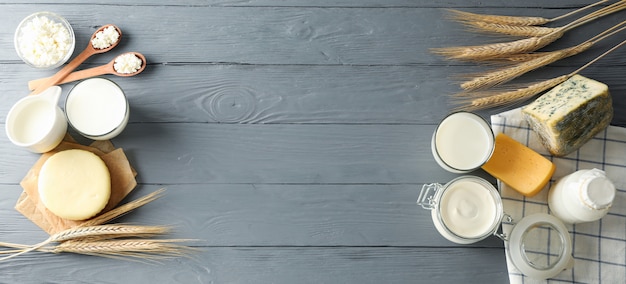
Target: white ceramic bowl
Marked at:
30, 38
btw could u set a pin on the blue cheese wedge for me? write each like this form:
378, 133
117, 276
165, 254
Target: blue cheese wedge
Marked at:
570, 114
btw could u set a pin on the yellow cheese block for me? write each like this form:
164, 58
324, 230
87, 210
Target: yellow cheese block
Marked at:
74, 184
518, 166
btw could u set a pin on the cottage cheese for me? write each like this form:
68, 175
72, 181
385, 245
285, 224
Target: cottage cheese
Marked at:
43, 42
105, 38
127, 63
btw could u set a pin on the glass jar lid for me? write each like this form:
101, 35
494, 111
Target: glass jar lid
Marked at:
529, 242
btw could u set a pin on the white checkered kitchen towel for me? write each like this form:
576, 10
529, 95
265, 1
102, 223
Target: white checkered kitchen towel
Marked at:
599, 248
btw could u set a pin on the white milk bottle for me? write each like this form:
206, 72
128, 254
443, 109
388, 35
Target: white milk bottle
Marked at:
583, 196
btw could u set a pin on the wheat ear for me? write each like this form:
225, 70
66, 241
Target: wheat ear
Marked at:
496, 50
512, 20
507, 59
490, 99
110, 231
87, 227
512, 30
523, 57
492, 78
523, 30
502, 75
482, 100
144, 248
462, 16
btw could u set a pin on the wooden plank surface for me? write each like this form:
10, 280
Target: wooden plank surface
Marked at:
273, 265
292, 136
285, 35
297, 94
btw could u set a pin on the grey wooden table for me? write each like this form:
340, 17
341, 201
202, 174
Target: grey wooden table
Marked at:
292, 136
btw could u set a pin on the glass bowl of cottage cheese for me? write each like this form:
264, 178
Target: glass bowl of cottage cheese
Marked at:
44, 40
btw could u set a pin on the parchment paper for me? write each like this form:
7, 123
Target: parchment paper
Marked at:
122, 183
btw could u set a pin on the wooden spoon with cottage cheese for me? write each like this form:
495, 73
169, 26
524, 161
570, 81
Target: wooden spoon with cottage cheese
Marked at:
104, 39
125, 65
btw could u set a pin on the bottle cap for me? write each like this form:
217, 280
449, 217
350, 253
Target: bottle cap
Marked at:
596, 190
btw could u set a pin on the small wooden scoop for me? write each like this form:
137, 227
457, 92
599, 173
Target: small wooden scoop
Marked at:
86, 53
92, 72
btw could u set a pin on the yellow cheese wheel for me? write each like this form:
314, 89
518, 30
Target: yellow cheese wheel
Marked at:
518, 166
74, 184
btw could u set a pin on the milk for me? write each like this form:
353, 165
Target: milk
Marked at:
97, 108
468, 209
582, 196
462, 142
37, 122
34, 122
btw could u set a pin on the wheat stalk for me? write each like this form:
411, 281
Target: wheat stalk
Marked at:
116, 248
94, 230
16, 248
492, 78
144, 248
512, 20
615, 7
100, 231
123, 209
488, 99
512, 30
108, 231
497, 50
523, 57
502, 75
462, 16
515, 58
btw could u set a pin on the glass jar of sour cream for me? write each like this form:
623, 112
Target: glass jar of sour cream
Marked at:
465, 210
469, 209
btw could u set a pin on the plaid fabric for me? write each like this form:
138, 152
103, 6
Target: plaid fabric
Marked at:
599, 248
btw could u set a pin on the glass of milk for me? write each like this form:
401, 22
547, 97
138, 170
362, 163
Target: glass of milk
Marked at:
462, 142
97, 108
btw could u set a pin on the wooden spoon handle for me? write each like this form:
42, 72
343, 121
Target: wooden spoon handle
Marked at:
74, 76
65, 71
